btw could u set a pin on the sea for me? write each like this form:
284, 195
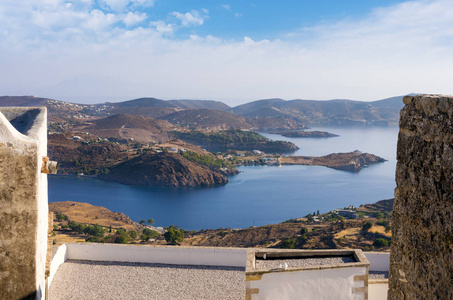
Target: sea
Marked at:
258, 195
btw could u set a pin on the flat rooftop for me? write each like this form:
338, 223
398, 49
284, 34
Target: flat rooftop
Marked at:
79, 279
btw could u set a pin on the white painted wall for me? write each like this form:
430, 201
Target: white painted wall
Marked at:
377, 291
230, 257
324, 284
61, 255
39, 132
379, 261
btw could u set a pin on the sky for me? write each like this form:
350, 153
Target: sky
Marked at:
235, 51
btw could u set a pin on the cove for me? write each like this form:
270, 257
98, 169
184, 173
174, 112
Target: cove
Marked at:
259, 195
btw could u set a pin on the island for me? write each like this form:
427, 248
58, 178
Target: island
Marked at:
307, 134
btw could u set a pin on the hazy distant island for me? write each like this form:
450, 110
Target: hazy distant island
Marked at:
307, 134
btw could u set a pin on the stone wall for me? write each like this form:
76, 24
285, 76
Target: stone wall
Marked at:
23, 203
421, 259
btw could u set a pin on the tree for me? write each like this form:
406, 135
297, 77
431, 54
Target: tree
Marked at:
142, 222
151, 221
367, 226
303, 231
148, 234
133, 234
173, 236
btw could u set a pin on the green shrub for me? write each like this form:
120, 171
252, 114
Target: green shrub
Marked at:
288, 243
378, 243
173, 236
122, 239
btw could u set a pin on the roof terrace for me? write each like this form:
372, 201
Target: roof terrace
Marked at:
112, 271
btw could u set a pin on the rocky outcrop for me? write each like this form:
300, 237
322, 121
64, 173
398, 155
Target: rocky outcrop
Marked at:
421, 260
163, 169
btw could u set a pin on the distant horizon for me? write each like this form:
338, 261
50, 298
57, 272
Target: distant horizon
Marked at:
123, 99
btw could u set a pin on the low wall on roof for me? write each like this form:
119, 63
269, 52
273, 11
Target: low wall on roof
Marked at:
203, 256
421, 256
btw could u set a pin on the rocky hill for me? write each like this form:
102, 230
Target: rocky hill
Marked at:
332, 112
200, 104
207, 119
89, 155
125, 127
163, 169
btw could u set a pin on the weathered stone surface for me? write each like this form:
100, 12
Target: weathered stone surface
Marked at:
23, 200
421, 259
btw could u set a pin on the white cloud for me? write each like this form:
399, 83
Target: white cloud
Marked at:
192, 18
99, 20
134, 18
163, 28
395, 50
226, 6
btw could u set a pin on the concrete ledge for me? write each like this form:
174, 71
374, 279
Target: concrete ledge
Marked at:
379, 261
227, 257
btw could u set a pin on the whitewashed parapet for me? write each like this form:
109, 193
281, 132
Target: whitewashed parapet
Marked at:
23, 205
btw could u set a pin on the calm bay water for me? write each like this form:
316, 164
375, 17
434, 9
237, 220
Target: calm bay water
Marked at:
258, 195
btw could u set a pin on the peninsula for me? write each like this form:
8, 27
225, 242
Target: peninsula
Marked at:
351, 161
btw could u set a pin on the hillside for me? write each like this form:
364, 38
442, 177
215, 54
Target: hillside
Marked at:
22, 101
200, 104
137, 164
89, 214
332, 112
275, 123
207, 119
222, 141
89, 156
163, 169
125, 127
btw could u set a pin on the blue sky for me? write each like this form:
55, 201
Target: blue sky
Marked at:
234, 51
